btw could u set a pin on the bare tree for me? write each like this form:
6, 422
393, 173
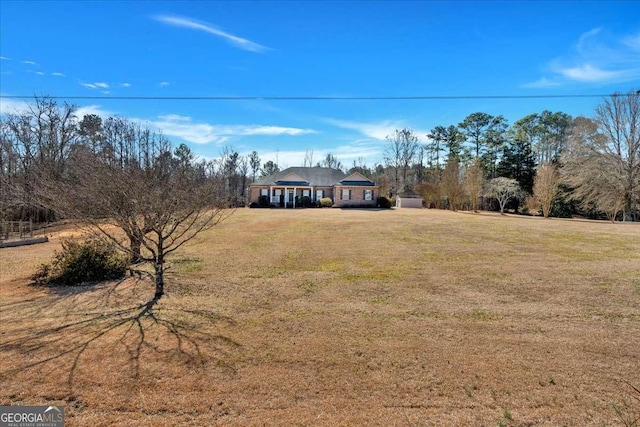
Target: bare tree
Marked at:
593, 173
400, 154
308, 158
451, 186
157, 206
618, 119
474, 182
546, 186
503, 190
602, 160
431, 193
330, 161
38, 138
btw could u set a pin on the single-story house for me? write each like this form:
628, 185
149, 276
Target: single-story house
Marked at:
287, 188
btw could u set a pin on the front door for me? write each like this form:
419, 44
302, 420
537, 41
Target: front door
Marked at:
292, 195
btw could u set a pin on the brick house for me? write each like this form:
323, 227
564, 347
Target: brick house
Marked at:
287, 188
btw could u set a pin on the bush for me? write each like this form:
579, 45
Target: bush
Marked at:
82, 262
263, 201
253, 205
383, 202
326, 202
305, 201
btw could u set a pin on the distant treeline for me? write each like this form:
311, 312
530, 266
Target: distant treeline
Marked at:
548, 162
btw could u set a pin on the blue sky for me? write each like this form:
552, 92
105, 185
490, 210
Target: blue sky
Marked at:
316, 48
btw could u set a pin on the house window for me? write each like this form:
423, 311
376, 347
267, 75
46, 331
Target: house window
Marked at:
277, 193
345, 193
368, 194
319, 194
305, 193
264, 192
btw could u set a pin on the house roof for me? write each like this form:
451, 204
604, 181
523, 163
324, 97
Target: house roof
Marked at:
302, 176
357, 179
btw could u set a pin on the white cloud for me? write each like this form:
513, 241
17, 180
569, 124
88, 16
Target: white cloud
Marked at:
96, 85
584, 38
92, 109
29, 62
164, 84
595, 59
368, 150
543, 82
239, 42
268, 130
58, 74
633, 41
378, 130
40, 73
5, 58
204, 133
175, 118
589, 73
125, 84
10, 106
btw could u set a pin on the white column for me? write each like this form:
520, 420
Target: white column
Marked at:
286, 197
270, 194
295, 190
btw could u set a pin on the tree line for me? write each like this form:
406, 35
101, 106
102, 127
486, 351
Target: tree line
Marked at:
124, 182
547, 162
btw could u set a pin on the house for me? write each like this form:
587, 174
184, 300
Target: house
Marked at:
291, 187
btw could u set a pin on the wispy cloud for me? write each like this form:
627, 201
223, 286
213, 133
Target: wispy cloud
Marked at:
375, 130
5, 58
590, 74
96, 85
40, 73
92, 109
19, 106
542, 83
633, 42
29, 62
346, 154
58, 74
164, 84
11, 106
204, 133
238, 42
596, 58
125, 84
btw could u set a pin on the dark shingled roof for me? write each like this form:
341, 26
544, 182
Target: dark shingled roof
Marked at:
324, 177
358, 183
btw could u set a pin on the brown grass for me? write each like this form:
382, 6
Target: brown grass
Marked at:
338, 317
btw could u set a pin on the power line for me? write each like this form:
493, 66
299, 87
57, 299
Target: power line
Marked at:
311, 98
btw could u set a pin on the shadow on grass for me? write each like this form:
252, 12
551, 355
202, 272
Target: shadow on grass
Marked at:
59, 331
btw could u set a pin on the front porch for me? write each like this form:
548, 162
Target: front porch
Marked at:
292, 197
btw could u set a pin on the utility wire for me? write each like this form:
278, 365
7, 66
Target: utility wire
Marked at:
312, 98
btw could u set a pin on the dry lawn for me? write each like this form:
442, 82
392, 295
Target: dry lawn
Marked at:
339, 318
